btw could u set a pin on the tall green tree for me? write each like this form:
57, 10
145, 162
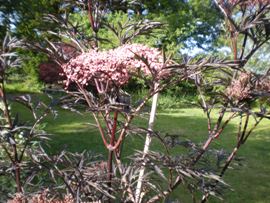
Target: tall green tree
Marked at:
25, 18
189, 23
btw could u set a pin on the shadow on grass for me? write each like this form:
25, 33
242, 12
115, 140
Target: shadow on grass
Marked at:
251, 182
72, 132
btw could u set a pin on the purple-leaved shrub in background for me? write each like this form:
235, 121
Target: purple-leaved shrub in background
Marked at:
50, 72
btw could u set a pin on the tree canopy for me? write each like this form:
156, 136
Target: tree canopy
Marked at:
185, 22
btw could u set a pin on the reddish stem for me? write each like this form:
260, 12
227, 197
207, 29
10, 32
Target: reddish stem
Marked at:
94, 115
92, 21
17, 169
110, 158
90, 15
15, 160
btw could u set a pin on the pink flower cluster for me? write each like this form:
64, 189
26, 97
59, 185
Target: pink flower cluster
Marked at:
240, 88
103, 67
263, 85
113, 67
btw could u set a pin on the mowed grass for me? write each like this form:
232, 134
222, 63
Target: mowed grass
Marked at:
250, 182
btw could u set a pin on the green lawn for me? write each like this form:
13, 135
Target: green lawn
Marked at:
251, 183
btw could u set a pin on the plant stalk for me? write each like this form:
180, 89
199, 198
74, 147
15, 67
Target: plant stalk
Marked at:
138, 193
112, 141
15, 161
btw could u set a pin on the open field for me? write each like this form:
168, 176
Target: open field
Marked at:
250, 182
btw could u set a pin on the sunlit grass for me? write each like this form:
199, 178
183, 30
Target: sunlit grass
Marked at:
250, 182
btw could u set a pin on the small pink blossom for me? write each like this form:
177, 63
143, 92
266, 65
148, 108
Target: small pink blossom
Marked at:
245, 86
263, 85
138, 56
240, 88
